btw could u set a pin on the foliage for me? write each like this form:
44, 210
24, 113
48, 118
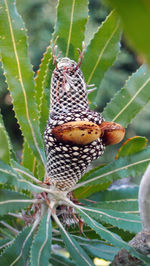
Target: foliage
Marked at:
30, 236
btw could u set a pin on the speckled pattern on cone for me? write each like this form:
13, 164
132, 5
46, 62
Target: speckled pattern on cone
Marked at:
66, 163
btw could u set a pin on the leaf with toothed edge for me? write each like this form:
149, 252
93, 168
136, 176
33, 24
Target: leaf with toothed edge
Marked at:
72, 17
23, 171
132, 146
11, 201
102, 52
109, 236
127, 205
40, 88
126, 221
59, 260
131, 99
104, 251
75, 250
17, 253
124, 193
41, 246
5, 144
123, 167
16, 64
10, 177
28, 159
4, 243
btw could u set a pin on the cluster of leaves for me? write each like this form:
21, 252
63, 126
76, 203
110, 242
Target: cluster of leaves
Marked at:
22, 191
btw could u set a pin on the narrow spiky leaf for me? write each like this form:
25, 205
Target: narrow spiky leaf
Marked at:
109, 236
16, 64
41, 90
131, 146
123, 167
125, 221
131, 99
17, 253
98, 57
5, 145
10, 177
72, 17
11, 201
40, 251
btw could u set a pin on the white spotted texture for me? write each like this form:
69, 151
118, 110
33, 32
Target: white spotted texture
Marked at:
66, 163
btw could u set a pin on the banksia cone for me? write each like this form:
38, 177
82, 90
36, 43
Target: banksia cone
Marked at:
74, 135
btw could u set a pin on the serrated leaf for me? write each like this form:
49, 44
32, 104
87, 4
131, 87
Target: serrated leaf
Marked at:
11, 201
127, 206
59, 260
106, 252
117, 194
23, 171
131, 99
40, 88
19, 75
4, 243
76, 252
28, 159
17, 253
102, 51
72, 17
137, 30
10, 177
5, 145
110, 237
40, 251
125, 221
131, 146
89, 190
123, 167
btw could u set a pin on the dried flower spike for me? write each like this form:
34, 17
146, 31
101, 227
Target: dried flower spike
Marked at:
74, 135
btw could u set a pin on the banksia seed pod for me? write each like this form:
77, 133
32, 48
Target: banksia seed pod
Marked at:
77, 132
74, 135
112, 133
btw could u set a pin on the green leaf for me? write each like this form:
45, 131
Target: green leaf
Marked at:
10, 177
102, 51
59, 260
76, 252
137, 30
117, 194
23, 171
11, 201
3, 243
88, 190
131, 99
72, 17
5, 145
28, 159
17, 253
106, 252
123, 167
40, 90
19, 75
127, 206
131, 146
109, 236
125, 221
40, 251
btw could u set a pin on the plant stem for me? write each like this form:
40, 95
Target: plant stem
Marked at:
144, 200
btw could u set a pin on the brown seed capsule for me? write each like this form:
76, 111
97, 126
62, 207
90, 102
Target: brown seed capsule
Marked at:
112, 133
77, 132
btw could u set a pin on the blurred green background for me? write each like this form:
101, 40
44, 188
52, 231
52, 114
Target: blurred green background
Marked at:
39, 17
